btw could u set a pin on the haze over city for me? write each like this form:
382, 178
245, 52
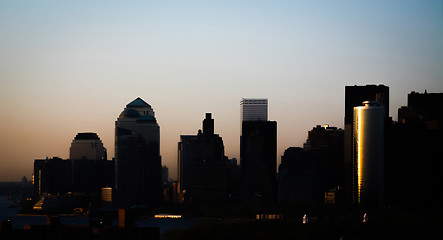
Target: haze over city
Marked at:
70, 67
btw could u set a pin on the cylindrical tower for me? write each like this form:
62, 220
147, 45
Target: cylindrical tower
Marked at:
368, 154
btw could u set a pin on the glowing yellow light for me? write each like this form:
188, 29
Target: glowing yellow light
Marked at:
359, 153
167, 216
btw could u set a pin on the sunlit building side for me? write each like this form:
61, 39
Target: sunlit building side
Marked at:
368, 154
354, 96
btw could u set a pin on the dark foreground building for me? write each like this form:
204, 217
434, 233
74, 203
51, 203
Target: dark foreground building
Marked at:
306, 174
90, 168
205, 174
413, 174
84, 175
52, 176
259, 161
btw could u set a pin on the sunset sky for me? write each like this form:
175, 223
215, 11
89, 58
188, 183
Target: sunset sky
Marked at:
72, 66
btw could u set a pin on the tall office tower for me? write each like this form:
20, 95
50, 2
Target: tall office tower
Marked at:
258, 149
354, 96
137, 155
259, 161
368, 154
253, 109
90, 169
186, 149
203, 167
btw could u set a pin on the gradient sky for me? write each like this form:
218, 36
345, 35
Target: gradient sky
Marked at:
72, 66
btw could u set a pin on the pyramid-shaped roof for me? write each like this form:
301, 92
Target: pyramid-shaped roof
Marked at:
138, 102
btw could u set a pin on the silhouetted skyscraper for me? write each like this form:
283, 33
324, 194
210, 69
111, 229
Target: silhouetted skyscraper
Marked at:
252, 109
186, 151
137, 155
258, 150
355, 96
305, 174
203, 167
415, 176
259, 160
90, 169
368, 154
330, 141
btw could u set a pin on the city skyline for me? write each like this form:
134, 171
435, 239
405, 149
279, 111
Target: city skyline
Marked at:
68, 68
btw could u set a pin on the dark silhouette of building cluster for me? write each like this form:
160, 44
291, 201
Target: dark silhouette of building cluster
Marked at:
373, 162
81, 177
306, 174
205, 173
134, 177
414, 153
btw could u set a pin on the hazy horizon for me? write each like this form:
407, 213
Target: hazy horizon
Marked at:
72, 66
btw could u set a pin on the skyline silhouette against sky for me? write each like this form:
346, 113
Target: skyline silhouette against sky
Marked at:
72, 66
